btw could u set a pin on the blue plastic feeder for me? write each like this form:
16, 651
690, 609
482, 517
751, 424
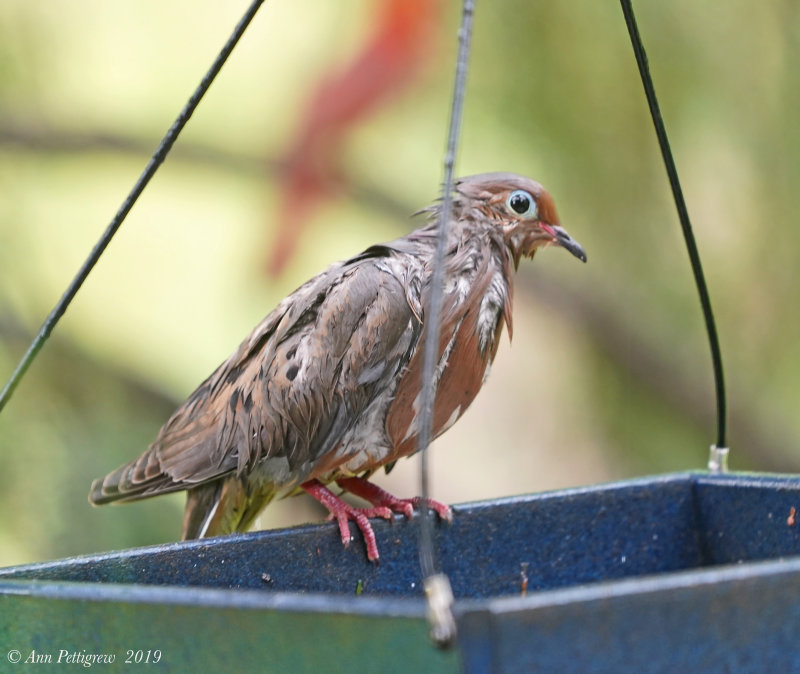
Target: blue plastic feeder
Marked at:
685, 572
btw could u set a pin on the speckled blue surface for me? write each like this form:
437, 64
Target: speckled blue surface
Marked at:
668, 573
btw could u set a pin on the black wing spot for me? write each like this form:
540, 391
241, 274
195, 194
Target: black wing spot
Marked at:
291, 373
291, 353
378, 250
233, 374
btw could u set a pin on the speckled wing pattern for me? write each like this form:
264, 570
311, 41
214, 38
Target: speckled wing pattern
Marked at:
291, 391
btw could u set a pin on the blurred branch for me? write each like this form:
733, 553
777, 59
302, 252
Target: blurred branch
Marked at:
41, 139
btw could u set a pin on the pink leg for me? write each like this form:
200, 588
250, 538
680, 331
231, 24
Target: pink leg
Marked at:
343, 512
379, 497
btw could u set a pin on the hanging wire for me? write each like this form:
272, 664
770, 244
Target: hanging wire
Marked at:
152, 166
719, 451
438, 592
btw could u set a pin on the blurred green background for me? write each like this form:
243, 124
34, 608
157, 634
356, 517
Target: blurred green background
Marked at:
608, 376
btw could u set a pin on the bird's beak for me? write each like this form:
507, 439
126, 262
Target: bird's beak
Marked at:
563, 239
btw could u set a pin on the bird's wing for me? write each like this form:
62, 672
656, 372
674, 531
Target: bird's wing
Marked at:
291, 390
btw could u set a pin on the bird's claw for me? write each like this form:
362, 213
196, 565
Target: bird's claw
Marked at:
380, 497
383, 503
343, 512
443, 510
360, 516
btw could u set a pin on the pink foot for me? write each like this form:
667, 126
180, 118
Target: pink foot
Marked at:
344, 512
379, 497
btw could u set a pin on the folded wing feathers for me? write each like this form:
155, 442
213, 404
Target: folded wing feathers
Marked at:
292, 388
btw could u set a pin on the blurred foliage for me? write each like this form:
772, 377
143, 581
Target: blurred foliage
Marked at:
609, 374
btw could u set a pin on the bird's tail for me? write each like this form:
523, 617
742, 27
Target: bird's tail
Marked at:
141, 478
221, 507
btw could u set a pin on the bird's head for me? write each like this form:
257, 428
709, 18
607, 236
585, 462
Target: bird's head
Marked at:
521, 207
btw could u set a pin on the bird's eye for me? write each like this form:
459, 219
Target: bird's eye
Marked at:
522, 203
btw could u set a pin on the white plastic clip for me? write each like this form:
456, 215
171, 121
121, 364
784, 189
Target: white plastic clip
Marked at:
718, 459
439, 594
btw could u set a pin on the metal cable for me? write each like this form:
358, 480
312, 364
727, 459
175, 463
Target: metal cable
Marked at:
686, 226
152, 166
437, 587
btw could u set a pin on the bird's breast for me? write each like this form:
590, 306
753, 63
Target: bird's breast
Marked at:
469, 335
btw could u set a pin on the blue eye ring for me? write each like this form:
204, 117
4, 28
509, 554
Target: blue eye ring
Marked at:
521, 203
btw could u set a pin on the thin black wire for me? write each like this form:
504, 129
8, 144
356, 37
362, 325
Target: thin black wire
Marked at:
427, 550
433, 318
152, 166
683, 215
